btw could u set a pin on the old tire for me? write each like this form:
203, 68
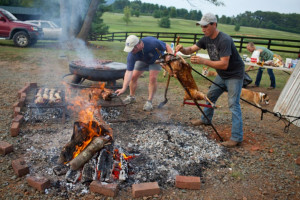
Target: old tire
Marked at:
21, 39
76, 79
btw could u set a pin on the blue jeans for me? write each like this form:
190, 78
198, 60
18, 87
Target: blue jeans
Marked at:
234, 87
259, 75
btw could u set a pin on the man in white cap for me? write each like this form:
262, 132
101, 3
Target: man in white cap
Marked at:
141, 57
225, 58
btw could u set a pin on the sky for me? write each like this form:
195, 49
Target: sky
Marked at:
233, 7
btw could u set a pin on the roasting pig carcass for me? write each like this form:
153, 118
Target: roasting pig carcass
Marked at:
180, 69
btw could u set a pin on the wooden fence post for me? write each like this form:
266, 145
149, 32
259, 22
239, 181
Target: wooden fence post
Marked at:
269, 44
241, 44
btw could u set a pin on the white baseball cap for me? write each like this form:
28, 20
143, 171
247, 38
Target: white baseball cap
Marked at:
131, 41
206, 19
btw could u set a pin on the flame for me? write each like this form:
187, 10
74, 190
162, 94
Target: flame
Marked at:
92, 134
128, 157
85, 105
118, 165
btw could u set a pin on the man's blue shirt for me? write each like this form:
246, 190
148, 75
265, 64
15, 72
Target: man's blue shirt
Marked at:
148, 54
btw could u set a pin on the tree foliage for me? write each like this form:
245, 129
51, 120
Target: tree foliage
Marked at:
269, 20
164, 22
156, 10
237, 27
127, 14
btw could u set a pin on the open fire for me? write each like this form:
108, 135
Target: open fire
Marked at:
90, 153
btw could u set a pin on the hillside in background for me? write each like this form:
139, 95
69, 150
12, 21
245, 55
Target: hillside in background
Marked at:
258, 19
149, 23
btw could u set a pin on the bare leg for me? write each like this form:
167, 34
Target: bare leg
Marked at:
133, 83
152, 83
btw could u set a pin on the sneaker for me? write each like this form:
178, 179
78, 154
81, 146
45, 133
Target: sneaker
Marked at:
148, 106
230, 143
129, 99
198, 122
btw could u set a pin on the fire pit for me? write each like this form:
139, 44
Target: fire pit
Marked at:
97, 70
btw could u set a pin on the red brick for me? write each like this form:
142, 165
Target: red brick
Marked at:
5, 148
17, 111
145, 189
110, 190
15, 128
23, 95
20, 167
39, 183
23, 90
32, 85
298, 161
18, 118
22, 102
188, 182
17, 104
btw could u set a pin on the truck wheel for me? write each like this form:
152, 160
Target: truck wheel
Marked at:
21, 39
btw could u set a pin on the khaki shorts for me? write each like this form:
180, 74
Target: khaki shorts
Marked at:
142, 66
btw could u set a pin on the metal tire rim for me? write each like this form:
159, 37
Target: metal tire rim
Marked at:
22, 40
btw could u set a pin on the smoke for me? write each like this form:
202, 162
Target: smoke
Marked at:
73, 13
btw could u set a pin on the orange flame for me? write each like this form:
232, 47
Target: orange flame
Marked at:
85, 104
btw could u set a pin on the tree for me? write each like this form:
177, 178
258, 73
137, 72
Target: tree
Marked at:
83, 34
173, 12
156, 14
237, 27
164, 22
127, 14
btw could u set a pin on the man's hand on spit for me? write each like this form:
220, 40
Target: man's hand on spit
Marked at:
120, 91
197, 60
178, 48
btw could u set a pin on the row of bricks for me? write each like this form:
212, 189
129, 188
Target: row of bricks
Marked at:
138, 190
146, 189
18, 118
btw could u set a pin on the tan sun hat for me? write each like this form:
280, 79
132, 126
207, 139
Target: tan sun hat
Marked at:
131, 41
206, 19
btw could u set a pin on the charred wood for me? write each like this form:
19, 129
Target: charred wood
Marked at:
89, 172
81, 133
96, 144
72, 176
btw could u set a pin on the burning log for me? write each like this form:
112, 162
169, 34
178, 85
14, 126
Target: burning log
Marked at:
124, 166
81, 134
106, 94
89, 172
105, 163
95, 145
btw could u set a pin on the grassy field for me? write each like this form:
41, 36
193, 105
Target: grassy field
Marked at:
150, 24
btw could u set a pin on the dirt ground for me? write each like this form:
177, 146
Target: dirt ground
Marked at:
263, 167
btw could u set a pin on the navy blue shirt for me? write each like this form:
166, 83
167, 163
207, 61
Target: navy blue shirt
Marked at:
223, 46
148, 54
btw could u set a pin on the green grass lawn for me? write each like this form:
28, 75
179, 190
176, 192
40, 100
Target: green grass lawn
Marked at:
150, 24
